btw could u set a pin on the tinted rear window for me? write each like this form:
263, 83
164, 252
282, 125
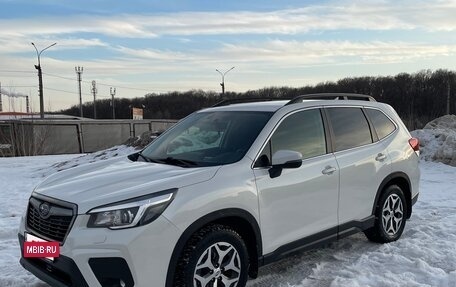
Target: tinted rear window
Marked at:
382, 124
350, 127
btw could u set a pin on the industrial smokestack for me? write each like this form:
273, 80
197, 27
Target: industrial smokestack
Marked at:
13, 95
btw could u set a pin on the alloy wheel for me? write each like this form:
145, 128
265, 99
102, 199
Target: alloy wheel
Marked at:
218, 266
392, 214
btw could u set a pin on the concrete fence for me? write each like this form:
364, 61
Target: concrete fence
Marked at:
45, 137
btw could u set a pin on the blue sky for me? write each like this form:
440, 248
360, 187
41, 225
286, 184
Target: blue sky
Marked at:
158, 46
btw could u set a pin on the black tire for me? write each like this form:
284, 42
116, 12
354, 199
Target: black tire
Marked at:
215, 238
386, 228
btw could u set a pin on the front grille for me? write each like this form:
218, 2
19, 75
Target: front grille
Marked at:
53, 224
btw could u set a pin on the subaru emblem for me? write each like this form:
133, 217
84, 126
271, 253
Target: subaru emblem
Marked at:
44, 209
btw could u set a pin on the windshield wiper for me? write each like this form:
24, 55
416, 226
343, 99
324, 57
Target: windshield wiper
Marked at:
175, 161
145, 158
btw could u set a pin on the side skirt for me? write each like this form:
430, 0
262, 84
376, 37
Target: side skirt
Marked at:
319, 239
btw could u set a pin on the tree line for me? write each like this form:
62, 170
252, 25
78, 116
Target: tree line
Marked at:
418, 97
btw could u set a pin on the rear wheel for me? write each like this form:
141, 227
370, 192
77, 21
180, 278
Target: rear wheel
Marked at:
389, 216
214, 256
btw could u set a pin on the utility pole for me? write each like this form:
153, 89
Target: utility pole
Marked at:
79, 71
94, 91
113, 93
27, 104
1, 106
223, 79
40, 77
448, 97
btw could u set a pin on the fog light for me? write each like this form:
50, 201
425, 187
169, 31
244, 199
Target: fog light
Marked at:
112, 272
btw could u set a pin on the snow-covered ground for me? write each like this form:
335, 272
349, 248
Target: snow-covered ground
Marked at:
18, 176
424, 256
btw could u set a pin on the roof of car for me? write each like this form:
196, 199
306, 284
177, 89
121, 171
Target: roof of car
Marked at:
307, 100
272, 106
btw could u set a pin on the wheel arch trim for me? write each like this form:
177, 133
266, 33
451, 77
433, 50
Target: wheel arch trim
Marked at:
205, 220
386, 181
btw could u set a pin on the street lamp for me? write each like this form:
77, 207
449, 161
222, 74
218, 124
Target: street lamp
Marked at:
40, 77
223, 79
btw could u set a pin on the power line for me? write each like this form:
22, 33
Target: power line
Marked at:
15, 76
15, 71
63, 91
19, 86
99, 84
72, 79
61, 77
124, 87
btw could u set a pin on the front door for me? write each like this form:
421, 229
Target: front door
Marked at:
301, 201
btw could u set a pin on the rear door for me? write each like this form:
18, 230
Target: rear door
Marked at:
301, 201
362, 160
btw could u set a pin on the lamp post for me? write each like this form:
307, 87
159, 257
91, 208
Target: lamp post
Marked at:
223, 79
40, 77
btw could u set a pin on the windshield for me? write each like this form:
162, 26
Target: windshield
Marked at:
207, 138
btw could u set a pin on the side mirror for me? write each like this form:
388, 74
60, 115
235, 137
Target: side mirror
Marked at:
284, 159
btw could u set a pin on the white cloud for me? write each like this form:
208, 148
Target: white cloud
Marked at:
267, 58
337, 15
153, 54
299, 53
10, 44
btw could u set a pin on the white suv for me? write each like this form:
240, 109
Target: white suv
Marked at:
227, 190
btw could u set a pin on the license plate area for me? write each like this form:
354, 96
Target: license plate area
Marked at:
37, 247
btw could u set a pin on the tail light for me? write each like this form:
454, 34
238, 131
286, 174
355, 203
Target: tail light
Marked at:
415, 144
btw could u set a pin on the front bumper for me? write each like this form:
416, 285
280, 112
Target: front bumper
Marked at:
60, 273
144, 251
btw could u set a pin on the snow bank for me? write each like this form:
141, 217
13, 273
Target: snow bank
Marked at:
18, 177
438, 140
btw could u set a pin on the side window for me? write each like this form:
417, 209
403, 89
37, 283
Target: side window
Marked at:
302, 132
382, 124
350, 127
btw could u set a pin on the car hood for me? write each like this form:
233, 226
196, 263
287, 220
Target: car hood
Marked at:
113, 180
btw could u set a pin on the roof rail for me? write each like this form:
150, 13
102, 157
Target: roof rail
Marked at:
331, 96
244, 100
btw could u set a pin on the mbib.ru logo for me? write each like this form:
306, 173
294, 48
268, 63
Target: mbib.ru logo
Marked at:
41, 249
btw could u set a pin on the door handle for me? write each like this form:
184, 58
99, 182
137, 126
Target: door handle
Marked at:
380, 157
328, 170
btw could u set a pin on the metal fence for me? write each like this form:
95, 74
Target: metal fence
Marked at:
45, 137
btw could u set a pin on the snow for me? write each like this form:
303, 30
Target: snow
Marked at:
424, 256
18, 176
438, 140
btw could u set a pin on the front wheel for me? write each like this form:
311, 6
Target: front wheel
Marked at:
389, 216
216, 256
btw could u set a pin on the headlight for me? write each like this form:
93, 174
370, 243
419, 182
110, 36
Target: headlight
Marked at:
133, 212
